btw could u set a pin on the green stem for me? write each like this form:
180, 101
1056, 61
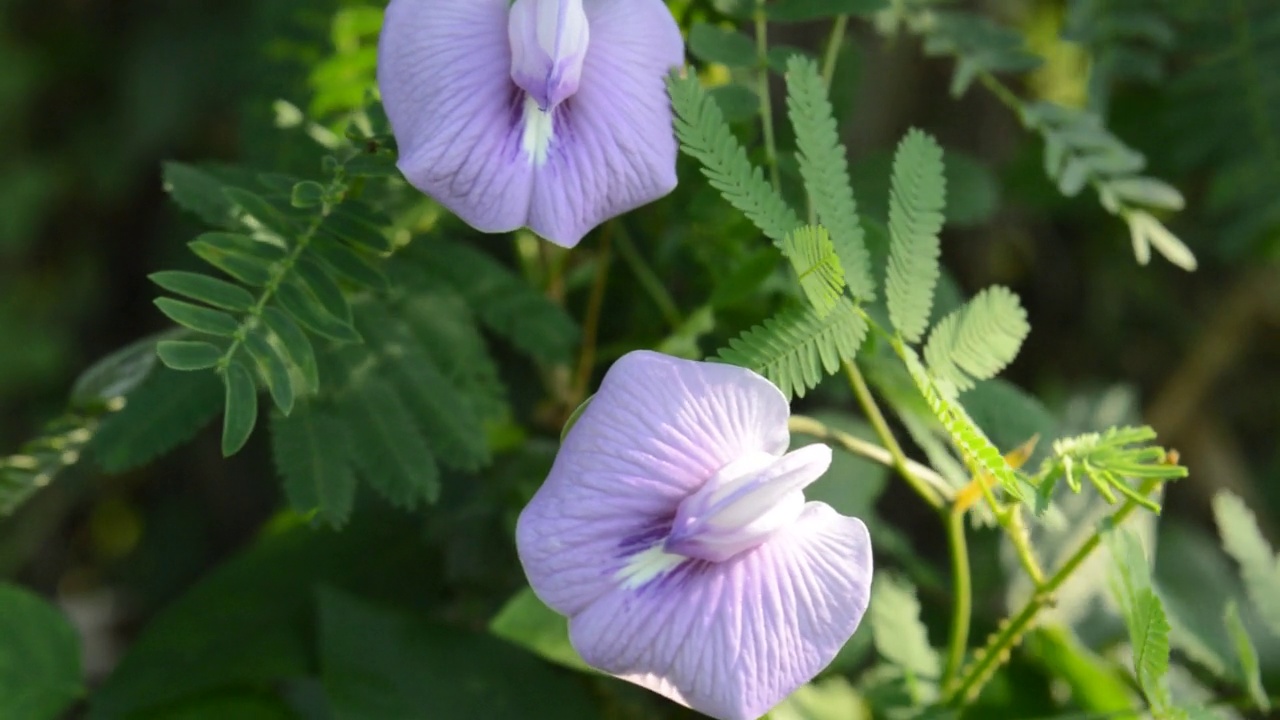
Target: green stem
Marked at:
878, 423
1016, 528
1011, 631
856, 445
762, 89
833, 49
962, 593
647, 278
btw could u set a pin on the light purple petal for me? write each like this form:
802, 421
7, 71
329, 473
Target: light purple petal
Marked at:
444, 69
733, 639
656, 431
614, 148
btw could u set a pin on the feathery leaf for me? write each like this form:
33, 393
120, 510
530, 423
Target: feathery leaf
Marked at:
796, 349
917, 197
813, 257
978, 340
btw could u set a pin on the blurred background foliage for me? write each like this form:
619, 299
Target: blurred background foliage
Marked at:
96, 94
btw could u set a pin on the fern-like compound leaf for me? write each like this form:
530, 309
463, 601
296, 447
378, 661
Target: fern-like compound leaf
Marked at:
977, 450
705, 136
978, 340
826, 172
312, 453
814, 259
796, 349
916, 199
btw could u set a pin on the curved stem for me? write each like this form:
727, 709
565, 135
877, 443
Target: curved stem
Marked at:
762, 89
962, 596
591, 323
647, 278
816, 428
878, 423
996, 651
834, 42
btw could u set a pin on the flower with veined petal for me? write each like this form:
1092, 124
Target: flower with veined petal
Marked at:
674, 533
546, 113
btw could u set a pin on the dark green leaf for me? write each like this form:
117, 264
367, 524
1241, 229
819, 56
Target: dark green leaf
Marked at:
241, 257
241, 408
348, 263
358, 225
256, 213
738, 103
161, 413
712, 43
312, 274
372, 165
302, 304
378, 664
387, 446
198, 192
200, 319
307, 194
274, 368
528, 622
211, 291
40, 674
188, 355
296, 344
311, 452
116, 374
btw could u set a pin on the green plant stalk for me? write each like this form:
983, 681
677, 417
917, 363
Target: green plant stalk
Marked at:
1011, 631
647, 278
962, 595
815, 428
832, 55
762, 89
1016, 528
878, 423
281, 271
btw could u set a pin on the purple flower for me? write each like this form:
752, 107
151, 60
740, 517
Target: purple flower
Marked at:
674, 534
546, 113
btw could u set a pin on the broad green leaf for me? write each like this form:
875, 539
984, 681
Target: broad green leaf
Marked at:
164, 411
796, 349
237, 705
378, 663
387, 447
712, 43
241, 408
1247, 656
303, 306
249, 622
40, 674
528, 622
916, 200
200, 319
312, 453
294, 342
241, 257
737, 102
705, 136
208, 290
274, 368
348, 263
1143, 614
1259, 565
900, 636
813, 257
978, 340
826, 172
188, 355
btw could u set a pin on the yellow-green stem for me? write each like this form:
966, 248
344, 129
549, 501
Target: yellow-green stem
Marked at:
833, 49
762, 89
878, 423
997, 649
962, 595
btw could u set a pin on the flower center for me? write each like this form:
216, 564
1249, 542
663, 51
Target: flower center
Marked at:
745, 503
548, 44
